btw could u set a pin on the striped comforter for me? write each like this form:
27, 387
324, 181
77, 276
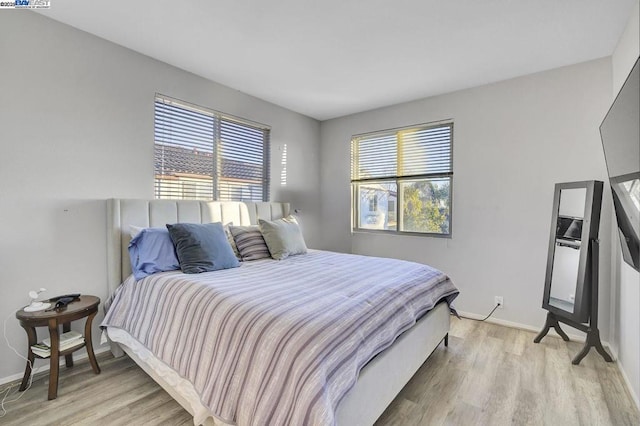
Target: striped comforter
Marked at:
277, 342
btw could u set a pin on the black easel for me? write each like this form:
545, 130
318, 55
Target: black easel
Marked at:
591, 328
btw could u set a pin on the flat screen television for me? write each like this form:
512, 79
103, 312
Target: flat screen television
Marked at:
620, 133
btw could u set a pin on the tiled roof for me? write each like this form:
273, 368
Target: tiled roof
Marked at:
171, 160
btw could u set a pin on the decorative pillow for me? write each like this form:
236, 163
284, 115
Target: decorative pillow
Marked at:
202, 247
250, 243
232, 242
151, 250
283, 237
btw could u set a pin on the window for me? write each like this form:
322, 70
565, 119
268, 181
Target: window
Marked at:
373, 203
204, 154
391, 209
408, 172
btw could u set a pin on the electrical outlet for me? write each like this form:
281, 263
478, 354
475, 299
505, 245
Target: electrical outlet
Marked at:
498, 300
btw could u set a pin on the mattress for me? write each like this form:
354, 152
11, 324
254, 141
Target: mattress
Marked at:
277, 342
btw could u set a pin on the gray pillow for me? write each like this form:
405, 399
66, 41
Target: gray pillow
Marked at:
249, 242
202, 247
283, 237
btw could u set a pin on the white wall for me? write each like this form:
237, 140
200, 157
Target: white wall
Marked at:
513, 141
626, 281
76, 127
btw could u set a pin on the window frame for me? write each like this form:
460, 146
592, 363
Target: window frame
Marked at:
218, 118
397, 180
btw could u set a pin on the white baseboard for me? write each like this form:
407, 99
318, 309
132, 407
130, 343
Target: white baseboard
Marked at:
45, 367
634, 396
574, 337
628, 383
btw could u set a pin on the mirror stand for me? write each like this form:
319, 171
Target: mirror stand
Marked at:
552, 321
591, 328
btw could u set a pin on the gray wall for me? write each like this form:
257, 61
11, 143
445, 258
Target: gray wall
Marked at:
513, 141
625, 280
76, 127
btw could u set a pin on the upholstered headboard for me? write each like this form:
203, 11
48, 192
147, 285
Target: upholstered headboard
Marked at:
121, 214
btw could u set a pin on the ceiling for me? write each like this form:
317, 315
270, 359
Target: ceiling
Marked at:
330, 58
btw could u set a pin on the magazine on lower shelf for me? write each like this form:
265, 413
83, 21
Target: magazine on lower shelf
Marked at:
68, 340
69, 336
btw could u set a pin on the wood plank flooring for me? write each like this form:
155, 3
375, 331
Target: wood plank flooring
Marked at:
489, 375
494, 375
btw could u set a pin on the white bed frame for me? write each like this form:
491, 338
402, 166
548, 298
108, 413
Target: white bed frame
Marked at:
379, 381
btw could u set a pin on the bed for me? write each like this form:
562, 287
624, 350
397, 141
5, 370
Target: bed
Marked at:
380, 364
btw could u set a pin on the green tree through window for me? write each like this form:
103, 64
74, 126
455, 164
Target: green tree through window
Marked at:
426, 208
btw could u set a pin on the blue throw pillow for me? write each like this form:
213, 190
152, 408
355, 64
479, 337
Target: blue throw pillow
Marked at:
202, 247
151, 251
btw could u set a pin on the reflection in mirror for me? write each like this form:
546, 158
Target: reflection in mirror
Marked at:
631, 189
566, 258
565, 277
572, 202
626, 200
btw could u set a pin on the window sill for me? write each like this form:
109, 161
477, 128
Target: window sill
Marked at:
357, 231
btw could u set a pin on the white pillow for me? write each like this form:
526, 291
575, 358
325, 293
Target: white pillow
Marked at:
283, 237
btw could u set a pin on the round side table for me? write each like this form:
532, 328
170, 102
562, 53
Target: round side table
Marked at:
86, 306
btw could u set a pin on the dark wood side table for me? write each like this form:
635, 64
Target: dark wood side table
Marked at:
87, 307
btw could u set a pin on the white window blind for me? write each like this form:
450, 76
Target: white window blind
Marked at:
402, 153
205, 154
409, 171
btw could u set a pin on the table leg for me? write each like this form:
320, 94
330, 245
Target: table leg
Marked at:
68, 359
89, 342
33, 339
54, 364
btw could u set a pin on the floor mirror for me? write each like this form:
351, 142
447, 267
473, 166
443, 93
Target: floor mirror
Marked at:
571, 280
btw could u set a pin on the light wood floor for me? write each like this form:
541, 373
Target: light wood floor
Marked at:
489, 375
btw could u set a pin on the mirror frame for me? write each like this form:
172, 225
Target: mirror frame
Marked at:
590, 227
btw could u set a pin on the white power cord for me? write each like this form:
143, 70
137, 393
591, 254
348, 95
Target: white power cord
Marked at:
7, 392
